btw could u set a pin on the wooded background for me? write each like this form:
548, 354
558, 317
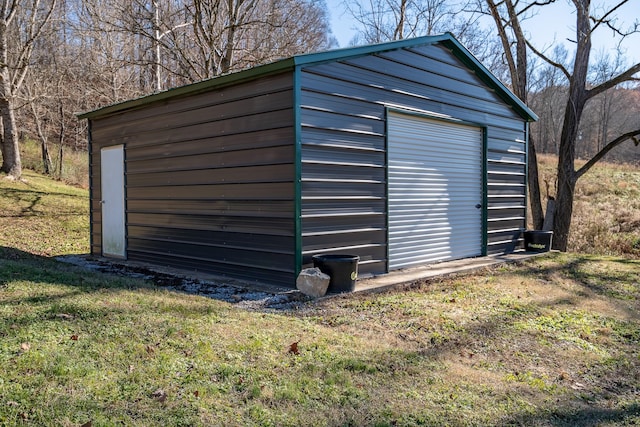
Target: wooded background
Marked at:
97, 52
61, 57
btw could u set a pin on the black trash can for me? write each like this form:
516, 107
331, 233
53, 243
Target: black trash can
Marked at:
342, 269
538, 240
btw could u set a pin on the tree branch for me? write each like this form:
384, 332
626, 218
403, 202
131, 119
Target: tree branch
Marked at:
610, 146
35, 28
13, 9
625, 76
549, 60
604, 19
504, 39
535, 3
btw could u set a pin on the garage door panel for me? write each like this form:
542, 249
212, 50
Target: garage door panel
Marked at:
434, 186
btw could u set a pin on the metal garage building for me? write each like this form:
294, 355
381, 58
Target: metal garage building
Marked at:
403, 153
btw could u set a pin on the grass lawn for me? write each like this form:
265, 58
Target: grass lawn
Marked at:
552, 342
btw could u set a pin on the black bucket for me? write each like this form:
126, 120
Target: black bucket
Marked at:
537, 240
342, 269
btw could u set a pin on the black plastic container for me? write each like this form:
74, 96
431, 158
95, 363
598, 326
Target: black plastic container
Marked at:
342, 269
538, 240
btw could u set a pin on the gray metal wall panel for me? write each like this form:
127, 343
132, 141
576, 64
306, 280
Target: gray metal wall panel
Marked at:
343, 111
210, 180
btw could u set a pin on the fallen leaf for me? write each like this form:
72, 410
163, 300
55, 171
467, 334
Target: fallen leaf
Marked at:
74, 337
12, 403
293, 348
196, 393
150, 349
25, 346
87, 424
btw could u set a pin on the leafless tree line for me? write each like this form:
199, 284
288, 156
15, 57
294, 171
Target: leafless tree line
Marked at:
60, 57
611, 113
588, 103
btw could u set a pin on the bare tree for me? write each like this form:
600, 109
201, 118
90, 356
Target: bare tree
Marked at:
21, 23
386, 20
580, 92
547, 97
180, 42
58, 57
507, 20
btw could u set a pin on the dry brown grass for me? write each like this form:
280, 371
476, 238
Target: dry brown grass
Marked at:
606, 212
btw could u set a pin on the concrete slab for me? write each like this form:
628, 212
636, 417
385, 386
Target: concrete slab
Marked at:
398, 278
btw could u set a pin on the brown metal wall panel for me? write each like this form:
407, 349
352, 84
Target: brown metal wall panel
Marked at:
193, 118
246, 257
257, 208
233, 224
214, 128
279, 191
343, 106
223, 239
227, 159
216, 267
193, 103
240, 175
240, 141
209, 180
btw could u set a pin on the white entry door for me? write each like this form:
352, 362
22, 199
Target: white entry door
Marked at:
435, 190
113, 222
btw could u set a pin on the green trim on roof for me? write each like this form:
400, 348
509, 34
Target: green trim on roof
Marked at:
295, 62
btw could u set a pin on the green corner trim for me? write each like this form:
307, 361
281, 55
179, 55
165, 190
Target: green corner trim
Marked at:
298, 171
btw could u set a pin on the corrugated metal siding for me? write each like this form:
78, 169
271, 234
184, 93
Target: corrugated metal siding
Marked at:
435, 190
210, 181
343, 120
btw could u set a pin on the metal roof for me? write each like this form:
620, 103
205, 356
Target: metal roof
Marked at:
290, 64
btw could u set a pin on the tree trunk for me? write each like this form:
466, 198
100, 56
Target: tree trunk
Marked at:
61, 141
564, 206
535, 199
11, 163
573, 112
566, 166
44, 146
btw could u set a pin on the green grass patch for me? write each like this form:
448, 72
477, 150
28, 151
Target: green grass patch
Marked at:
554, 341
43, 217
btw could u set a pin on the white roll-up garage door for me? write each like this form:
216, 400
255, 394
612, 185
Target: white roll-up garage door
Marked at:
435, 190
